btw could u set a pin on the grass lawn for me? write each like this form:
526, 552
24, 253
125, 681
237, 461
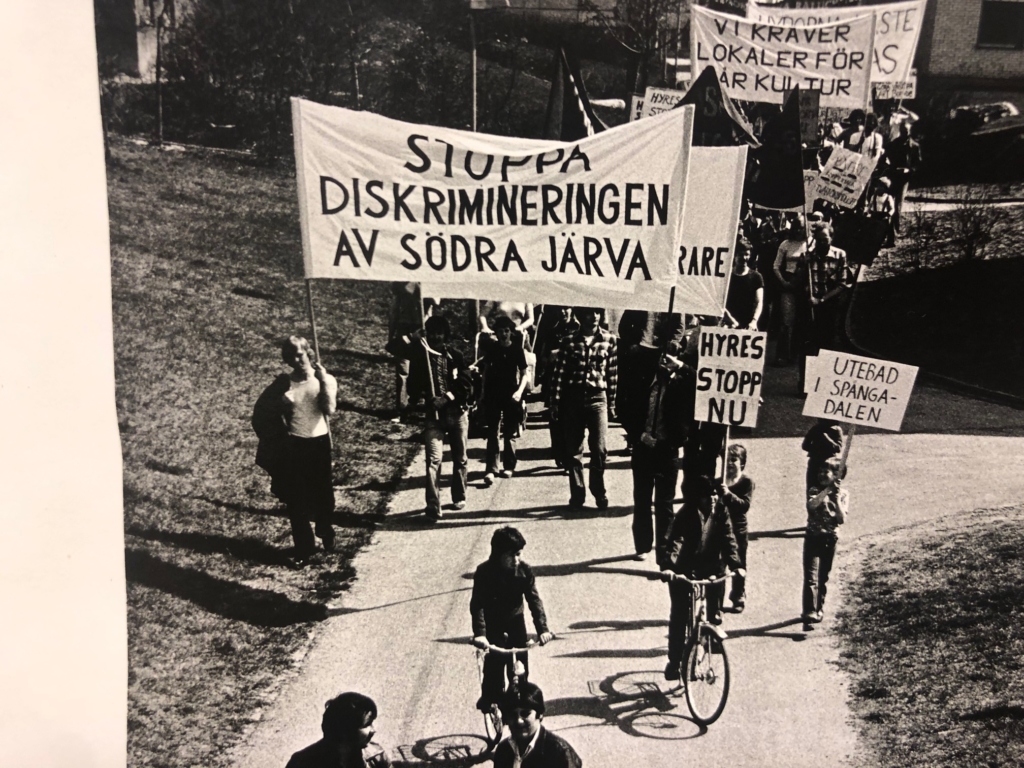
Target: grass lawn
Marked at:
206, 279
932, 636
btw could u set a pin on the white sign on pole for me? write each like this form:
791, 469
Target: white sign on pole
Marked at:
761, 62
636, 107
730, 371
710, 222
858, 390
897, 31
658, 100
844, 177
906, 89
381, 199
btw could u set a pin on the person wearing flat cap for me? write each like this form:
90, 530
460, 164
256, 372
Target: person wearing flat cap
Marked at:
530, 744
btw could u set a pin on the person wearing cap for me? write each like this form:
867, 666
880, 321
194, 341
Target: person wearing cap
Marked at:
530, 744
347, 726
745, 299
701, 543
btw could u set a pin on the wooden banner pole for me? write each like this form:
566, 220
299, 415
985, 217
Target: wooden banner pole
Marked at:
472, 59
312, 317
846, 450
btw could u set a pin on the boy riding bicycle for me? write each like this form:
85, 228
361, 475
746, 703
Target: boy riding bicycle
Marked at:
701, 543
499, 587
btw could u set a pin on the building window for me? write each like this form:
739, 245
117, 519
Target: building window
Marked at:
1002, 25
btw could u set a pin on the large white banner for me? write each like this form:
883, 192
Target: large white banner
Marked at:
760, 62
897, 30
381, 199
704, 259
858, 390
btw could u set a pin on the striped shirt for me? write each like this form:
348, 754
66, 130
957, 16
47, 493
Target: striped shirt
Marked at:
587, 364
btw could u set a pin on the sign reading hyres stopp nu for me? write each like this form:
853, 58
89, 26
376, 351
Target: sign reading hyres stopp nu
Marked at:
730, 371
858, 390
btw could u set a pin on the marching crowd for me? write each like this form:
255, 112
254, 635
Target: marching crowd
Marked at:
591, 367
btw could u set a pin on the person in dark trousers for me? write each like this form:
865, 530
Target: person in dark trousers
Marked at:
500, 585
822, 441
406, 317
903, 157
439, 378
558, 326
291, 421
347, 726
736, 494
530, 744
829, 280
504, 381
583, 399
701, 543
828, 506
656, 395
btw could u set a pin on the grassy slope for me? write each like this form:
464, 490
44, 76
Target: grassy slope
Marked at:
961, 320
205, 280
933, 637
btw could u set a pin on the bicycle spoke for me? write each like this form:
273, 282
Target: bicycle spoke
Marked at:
706, 678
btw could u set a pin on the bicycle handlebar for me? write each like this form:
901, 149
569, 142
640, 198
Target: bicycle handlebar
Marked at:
703, 582
509, 651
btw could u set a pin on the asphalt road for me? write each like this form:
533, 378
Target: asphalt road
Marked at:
401, 634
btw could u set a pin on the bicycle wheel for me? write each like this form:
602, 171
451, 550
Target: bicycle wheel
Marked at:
706, 677
493, 725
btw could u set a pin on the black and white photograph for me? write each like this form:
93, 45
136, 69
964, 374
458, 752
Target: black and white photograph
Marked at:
543, 383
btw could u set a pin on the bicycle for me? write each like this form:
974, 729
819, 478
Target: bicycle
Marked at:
704, 670
493, 724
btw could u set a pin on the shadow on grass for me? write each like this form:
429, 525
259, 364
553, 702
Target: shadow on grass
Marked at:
366, 357
377, 413
259, 607
251, 550
366, 521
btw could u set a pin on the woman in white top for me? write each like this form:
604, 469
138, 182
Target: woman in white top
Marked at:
291, 420
789, 269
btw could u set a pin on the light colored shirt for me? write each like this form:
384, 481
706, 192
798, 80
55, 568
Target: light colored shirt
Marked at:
305, 417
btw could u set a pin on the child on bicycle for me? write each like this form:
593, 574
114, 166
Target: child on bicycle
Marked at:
827, 508
531, 745
701, 543
735, 494
500, 585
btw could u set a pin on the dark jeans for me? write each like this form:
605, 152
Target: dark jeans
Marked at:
557, 433
655, 474
453, 424
499, 666
587, 413
738, 590
819, 550
308, 492
502, 419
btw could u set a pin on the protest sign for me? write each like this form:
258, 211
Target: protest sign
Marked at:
906, 89
897, 30
760, 62
658, 100
810, 106
858, 390
705, 254
636, 107
381, 199
844, 177
730, 371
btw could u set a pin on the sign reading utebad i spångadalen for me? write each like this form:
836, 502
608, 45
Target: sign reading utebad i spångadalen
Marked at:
382, 199
858, 390
761, 62
730, 371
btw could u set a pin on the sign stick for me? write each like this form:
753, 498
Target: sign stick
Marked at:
846, 449
312, 317
725, 456
472, 58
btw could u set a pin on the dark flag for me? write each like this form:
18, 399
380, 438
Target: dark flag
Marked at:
716, 120
777, 180
569, 115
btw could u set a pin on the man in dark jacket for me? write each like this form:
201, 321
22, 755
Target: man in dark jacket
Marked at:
701, 543
530, 744
438, 377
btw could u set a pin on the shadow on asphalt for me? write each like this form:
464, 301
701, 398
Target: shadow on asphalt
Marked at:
342, 610
770, 630
783, 533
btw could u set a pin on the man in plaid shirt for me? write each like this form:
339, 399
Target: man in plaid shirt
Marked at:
584, 382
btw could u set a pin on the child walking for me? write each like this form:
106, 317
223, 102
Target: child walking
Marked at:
822, 441
827, 508
736, 495
500, 586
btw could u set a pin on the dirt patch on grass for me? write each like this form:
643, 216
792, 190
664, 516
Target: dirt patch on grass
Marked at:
206, 278
933, 640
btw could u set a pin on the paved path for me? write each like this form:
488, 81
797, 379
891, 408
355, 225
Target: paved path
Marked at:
401, 634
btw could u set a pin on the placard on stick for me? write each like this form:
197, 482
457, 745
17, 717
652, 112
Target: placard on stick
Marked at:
730, 371
858, 390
